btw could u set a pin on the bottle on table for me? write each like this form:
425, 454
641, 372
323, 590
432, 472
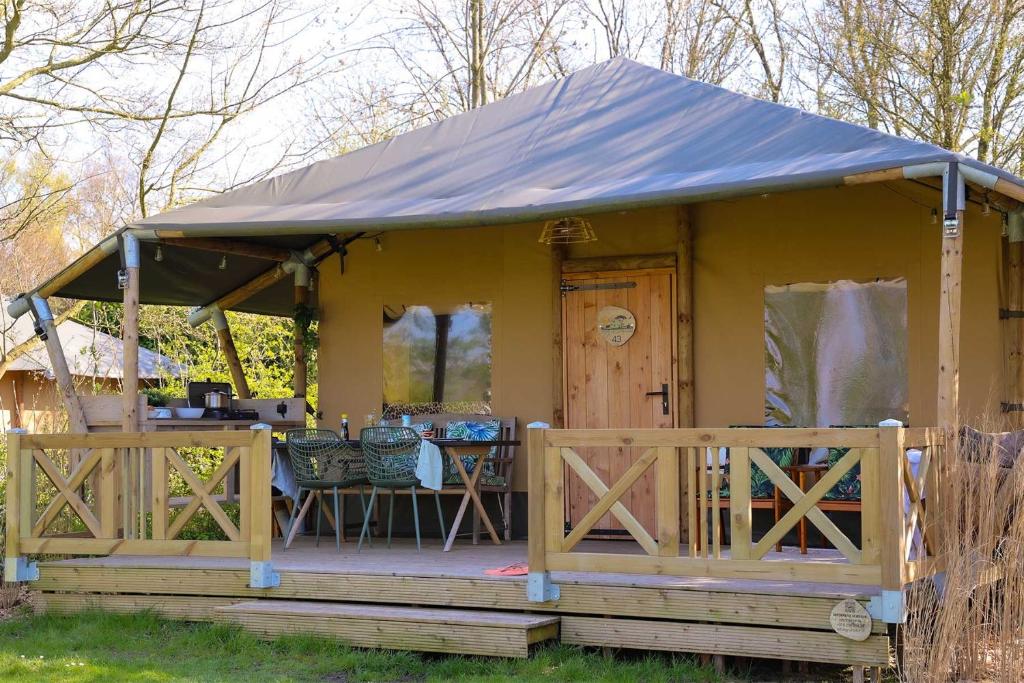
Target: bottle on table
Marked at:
344, 427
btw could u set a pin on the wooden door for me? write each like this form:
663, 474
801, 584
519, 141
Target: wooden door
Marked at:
615, 380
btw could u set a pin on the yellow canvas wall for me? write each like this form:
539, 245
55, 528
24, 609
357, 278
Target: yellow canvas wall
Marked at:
740, 246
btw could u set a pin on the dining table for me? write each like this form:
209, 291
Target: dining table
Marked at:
479, 451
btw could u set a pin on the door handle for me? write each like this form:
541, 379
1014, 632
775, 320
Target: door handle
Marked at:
664, 398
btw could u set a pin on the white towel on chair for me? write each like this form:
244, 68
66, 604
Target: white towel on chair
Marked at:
428, 466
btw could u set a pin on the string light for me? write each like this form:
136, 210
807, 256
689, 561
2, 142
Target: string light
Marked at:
223, 262
159, 255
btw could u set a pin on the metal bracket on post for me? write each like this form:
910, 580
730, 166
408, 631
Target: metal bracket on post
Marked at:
18, 569
262, 575
890, 607
540, 589
220, 321
954, 199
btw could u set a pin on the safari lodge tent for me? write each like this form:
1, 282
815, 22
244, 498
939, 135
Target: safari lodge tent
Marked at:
691, 294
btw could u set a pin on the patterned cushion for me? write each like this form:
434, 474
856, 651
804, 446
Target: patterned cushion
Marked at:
848, 487
421, 427
466, 430
760, 485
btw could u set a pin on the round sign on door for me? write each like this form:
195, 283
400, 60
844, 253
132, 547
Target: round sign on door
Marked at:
615, 324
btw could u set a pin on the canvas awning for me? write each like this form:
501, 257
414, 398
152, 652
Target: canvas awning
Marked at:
614, 136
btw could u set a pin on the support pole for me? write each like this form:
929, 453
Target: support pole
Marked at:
44, 317
19, 510
1013, 323
130, 336
558, 367
227, 345
684, 311
261, 570
949, 296
299, 374
128, 278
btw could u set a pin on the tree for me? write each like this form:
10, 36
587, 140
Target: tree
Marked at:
93, 74
947, 71
454, 55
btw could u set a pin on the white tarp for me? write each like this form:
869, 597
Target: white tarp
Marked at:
836, 353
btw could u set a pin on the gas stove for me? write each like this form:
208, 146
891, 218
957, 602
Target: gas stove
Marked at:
231, 414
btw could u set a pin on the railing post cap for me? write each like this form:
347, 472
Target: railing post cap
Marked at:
890, 423
17, 430
260, 425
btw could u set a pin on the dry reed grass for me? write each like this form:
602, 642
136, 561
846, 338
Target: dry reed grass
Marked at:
969, 623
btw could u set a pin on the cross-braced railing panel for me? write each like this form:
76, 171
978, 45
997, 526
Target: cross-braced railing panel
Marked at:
686, 479
609, 499
110, 493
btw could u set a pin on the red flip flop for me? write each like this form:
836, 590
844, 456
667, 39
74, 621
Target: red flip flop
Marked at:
517, 569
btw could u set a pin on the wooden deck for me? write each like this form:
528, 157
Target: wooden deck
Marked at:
728, 616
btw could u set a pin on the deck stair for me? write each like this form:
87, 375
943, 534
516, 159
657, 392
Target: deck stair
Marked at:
498, 634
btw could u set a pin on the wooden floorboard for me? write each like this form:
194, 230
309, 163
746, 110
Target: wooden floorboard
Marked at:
185, 607
684, 605
398, 628
773, 619
716, 639
469, 561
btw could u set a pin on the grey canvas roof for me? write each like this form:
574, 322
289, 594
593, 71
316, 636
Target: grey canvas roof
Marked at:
89, 353
614, 136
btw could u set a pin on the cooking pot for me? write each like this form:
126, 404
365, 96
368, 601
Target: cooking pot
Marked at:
217, 399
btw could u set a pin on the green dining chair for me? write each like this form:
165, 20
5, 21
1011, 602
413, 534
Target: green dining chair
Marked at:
391, 454
323, 462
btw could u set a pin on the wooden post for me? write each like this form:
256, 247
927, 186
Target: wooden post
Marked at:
893, 539
684, 306
538, 584
227, 346
299, 373
261, 573
132, 477
19, 510
668, 501
949, 297
740, 511
686, 412
557, 364
61, 374
12, 551
130, 337
1013, 325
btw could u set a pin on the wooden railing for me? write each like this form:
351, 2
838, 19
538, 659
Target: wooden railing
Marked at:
895, 545
116, 486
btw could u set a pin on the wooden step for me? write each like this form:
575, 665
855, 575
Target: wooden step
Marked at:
491, 634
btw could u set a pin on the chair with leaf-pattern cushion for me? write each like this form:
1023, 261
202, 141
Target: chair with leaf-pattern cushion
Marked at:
844, 496
763, 493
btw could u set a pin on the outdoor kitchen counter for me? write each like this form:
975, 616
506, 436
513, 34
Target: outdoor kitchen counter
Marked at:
103, 414
212, 423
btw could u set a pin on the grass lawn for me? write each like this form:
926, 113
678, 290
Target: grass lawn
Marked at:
100, 646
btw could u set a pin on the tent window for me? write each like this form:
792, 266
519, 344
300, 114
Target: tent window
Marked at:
836, 353
436, 360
